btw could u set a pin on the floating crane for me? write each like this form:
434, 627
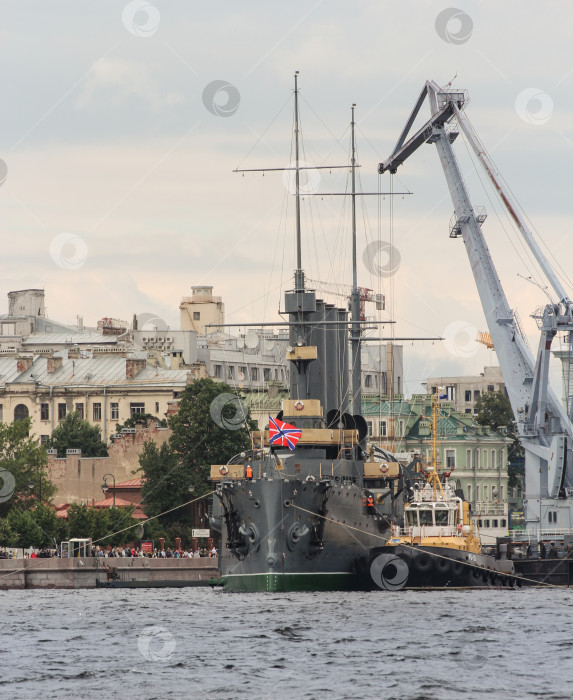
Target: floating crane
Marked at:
545, 427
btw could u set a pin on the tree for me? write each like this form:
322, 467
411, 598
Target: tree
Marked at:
211, 425
140, 418
75, 433
494, 409
165, 480
101, 524
22, 461
27, 532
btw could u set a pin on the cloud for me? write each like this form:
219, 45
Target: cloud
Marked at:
117, 79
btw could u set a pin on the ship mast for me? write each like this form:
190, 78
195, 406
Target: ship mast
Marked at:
355, 295
299, 274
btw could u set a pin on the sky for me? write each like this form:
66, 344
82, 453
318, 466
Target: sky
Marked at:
122, 123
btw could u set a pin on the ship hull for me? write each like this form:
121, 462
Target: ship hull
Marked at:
296, 534
399, 567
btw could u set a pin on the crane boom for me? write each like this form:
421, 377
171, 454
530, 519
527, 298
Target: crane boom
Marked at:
545, 428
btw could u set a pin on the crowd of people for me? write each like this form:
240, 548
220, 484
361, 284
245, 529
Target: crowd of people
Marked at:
126, 551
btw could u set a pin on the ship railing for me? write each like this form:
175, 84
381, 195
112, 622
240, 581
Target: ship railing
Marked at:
486, 508
538, 534
426, 531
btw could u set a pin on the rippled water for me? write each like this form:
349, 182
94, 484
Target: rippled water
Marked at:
202, 643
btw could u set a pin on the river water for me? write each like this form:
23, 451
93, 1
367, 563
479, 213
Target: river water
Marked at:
203, 643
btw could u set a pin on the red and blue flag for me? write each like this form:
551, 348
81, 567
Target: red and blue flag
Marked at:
282, 434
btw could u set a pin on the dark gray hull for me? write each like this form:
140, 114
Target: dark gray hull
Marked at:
306, 531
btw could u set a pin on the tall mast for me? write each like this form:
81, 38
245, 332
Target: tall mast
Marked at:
355, 295
299, 275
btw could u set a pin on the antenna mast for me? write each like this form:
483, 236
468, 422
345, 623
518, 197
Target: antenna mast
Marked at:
299, 274
355, 295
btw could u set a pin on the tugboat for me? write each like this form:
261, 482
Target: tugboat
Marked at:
299, 516
439, 545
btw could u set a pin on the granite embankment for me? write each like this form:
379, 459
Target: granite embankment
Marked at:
87, 571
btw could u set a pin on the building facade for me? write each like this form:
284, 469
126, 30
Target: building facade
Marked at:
463, 392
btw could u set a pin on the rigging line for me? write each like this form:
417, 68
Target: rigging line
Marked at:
417, 548
265, 131
532, 266
538, 235
338, 141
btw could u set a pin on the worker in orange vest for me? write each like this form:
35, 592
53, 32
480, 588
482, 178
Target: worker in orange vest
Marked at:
370, 504
249, 471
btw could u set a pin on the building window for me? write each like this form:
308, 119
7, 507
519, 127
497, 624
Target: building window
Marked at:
451, 393
476, 394
196, 315
62, 411
484, 459
450, 459
468, 459
369, 426
114, 409
44, 440
468, 410
476, 465
44, 411
383, 428
217, 371
1, 412
80, 410
97, 411
157, 407
267, 374
242, 373
230, 372
255, 374
493, 459
368, 380
490, 387
136, 408
477, 493
469, 492
468, 395
485, 493
501, 493
401, 428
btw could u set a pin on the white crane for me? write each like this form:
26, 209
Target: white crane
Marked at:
545, 428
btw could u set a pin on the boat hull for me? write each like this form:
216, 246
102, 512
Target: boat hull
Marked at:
400, 567
296, 535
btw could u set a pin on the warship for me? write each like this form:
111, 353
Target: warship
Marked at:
300, 519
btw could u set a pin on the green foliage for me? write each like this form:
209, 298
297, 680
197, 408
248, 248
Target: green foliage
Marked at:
208, 430
140, 418
22, 461
75, 433
101, 523
26, 531
494, 409
166, 480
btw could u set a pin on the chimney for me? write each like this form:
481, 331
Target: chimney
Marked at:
54, 363
24, 363
133, 367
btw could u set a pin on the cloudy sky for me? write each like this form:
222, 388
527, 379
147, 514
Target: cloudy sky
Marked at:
122, 123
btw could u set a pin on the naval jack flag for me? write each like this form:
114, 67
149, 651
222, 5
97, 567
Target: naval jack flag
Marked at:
282, 434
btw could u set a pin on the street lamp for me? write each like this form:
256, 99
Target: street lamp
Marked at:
31, 485
105, 487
